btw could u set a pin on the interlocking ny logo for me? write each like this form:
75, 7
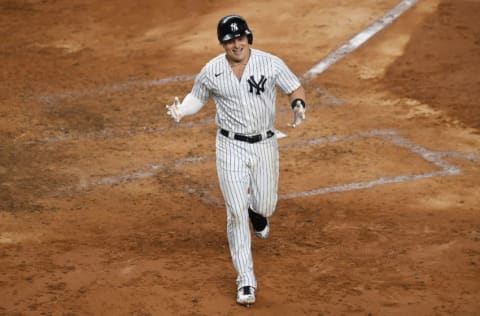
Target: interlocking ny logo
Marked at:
260, 86
234, 27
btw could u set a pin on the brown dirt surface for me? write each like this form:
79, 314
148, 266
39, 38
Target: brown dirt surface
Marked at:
109, 208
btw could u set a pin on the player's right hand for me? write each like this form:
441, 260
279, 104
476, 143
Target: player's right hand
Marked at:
173, 110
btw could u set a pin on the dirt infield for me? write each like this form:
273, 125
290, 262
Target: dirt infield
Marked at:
109, 208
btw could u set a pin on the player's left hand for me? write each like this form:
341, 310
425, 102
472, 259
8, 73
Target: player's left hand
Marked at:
174, 110
299, 114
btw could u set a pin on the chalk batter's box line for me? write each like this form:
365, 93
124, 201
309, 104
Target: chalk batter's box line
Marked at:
392, 136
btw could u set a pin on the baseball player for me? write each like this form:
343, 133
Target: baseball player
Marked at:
242, 82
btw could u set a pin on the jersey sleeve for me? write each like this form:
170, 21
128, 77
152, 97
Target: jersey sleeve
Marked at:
285, 78
201, 88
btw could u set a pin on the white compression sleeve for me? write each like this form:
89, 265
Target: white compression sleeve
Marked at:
190, 105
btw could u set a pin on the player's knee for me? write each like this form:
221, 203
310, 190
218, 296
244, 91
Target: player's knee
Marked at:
236, 217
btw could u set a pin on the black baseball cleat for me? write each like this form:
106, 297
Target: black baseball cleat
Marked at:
246, 296
260, 224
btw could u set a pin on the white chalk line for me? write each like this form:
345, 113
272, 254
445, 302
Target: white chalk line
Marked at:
446, 169
359, 39
152, 170
392, 136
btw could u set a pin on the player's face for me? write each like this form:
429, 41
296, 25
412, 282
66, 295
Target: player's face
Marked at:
237, 49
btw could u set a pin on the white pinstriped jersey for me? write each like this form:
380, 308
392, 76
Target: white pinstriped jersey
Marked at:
245, 106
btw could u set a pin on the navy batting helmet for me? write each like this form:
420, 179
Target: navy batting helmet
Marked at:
232, 26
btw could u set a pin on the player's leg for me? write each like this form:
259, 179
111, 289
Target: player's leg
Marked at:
264, 178
264, 186
234, 180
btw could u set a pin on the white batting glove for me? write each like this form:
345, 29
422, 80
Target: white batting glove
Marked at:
299, 114
174, 110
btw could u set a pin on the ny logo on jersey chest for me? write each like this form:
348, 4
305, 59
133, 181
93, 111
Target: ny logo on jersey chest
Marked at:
259, 86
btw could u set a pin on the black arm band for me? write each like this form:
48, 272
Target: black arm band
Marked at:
294, 103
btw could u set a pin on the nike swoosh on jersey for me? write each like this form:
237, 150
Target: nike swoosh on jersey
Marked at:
216, 75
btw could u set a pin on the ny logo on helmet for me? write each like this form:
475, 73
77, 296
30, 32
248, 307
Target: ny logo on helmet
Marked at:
259, 86
234, 27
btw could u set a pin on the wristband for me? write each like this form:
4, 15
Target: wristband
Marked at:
294, 103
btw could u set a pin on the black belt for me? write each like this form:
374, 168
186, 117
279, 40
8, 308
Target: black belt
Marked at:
244, 138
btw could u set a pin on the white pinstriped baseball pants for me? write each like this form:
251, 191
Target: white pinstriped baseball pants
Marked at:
248, 177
